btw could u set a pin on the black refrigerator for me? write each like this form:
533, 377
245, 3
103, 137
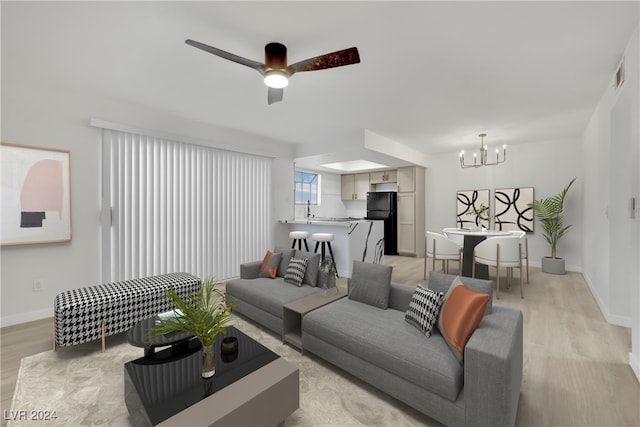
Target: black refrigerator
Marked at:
383, 205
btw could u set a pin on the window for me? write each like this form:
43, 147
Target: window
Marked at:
307, 188
172, 206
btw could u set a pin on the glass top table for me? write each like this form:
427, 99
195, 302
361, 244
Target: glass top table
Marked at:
160, 388
138, 336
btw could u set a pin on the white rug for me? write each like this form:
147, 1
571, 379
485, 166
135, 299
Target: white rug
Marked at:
85, 388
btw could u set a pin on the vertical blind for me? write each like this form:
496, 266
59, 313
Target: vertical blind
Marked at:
170, 206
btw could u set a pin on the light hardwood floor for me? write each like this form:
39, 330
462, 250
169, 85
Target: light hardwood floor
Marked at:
576, 370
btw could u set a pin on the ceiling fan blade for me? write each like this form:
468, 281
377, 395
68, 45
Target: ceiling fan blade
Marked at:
328, 60
226, 55
274, 95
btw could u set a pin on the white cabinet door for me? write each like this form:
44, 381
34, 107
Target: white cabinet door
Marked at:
383, 177
347, 187
391, 176
376, 177
354, 186
361, 186
406, 179
406, 224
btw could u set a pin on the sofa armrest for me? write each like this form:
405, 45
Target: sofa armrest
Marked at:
250, 270
493, 369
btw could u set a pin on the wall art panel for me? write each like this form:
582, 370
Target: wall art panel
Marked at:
36, 196
511, 209
468, 203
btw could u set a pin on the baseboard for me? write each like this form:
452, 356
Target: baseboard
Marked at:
635, 365
610, 318
574, 268
29, 316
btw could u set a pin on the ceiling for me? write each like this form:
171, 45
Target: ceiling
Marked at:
433, 75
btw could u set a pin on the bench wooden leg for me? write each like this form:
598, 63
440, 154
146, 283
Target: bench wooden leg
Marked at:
55, 348
104, 338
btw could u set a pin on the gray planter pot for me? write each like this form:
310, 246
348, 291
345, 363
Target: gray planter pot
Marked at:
553, 265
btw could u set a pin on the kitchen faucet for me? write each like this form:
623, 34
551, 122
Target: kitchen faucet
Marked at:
308, 209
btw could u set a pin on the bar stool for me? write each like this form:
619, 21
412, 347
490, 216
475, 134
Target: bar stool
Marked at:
299, 236
325, 239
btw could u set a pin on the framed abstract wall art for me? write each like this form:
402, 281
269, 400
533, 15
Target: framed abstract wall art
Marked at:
35, 195
511, 209
468, 204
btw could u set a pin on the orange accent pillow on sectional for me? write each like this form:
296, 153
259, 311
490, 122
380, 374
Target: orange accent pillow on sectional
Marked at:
269, 266
460, 315
265, 261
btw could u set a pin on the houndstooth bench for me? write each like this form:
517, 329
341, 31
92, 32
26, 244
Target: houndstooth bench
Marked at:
86, 314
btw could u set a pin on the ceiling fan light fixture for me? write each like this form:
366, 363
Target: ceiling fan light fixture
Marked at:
276, 79
276, 71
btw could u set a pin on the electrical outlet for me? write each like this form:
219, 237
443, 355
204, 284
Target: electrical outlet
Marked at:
37, 285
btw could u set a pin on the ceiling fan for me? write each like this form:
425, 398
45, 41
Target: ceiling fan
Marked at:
275, 70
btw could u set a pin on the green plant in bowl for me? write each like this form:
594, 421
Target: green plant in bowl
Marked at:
204, 314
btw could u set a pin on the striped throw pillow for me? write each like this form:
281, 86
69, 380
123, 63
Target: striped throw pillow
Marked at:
295, 271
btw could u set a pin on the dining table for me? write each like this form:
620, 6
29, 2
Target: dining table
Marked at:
471, 237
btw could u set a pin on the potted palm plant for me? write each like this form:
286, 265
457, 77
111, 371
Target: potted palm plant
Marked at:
204, 315
549, 214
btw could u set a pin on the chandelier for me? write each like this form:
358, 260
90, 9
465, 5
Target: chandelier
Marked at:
484, 161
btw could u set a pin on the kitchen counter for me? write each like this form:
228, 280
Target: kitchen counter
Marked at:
338, 222
354, 239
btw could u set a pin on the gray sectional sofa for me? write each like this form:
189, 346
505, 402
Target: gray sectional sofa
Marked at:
262, 299
378, 346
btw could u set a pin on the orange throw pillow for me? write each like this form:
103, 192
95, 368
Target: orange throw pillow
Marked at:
269, 266
265, 261
460, 315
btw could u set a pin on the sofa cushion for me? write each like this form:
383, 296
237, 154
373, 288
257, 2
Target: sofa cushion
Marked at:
383, 338
370, 284
269, 266
267, 294
295, 272
440, 282
313, 265
287, 254
461, 313
423, 309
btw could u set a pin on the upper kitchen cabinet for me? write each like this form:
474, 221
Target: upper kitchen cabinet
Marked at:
407, 179
355, 186
383, 177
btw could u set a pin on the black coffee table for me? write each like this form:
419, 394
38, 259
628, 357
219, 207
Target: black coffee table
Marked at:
253, 387
138, 335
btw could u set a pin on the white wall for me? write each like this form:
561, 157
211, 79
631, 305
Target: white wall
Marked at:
36, 113
611, 145
547, 166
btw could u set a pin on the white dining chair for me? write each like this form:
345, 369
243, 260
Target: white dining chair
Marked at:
524, 245
456, 237
440, 248
499, 252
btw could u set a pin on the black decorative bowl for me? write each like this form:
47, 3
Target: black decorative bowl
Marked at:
229, 345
